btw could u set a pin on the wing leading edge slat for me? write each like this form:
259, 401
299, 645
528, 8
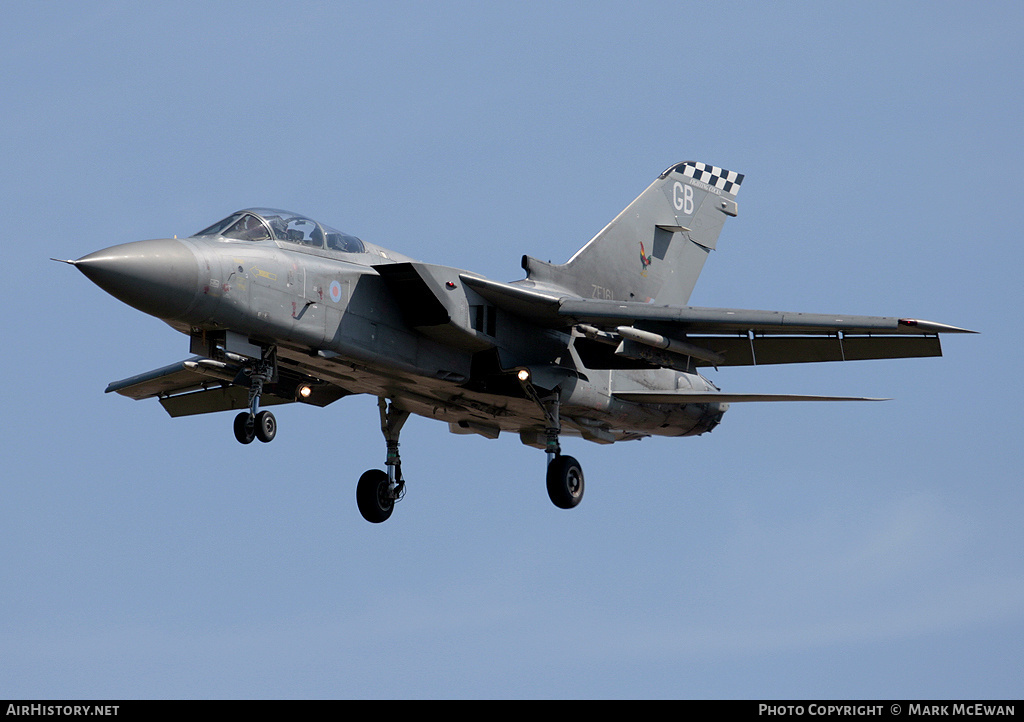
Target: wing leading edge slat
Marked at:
727, 320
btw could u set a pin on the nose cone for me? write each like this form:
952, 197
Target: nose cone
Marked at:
160, 277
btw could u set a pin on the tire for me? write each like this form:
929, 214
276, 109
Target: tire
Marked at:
371, 496
245, 431
266, 427
565, 482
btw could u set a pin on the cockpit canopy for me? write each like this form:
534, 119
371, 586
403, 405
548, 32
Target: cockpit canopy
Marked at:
270, 224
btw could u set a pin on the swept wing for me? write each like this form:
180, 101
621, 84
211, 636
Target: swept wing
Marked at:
720, 336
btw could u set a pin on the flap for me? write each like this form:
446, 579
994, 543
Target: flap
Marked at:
773, 349
220, 398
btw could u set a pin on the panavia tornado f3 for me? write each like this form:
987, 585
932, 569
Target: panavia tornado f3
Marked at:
279, 308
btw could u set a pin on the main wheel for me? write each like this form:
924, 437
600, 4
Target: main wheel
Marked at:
372, 498
245, 430
266, 426
565, 482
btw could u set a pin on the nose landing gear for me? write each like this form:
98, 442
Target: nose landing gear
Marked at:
255, 424
247, 427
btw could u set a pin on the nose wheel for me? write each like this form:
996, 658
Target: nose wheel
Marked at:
256, 424
263, 427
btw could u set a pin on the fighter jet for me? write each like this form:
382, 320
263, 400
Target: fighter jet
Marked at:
279, 308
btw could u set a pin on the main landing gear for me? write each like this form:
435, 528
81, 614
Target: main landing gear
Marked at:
255, 424
564, 473
565, 482
377, 491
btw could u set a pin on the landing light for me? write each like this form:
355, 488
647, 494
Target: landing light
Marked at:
305, 391
524, 375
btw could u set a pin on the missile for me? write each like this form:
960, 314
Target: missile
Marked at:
656, 340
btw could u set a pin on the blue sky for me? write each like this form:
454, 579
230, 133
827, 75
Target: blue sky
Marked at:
800, 550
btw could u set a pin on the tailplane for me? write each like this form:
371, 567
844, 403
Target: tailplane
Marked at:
655, 249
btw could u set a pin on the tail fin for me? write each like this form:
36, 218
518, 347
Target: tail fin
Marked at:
655, 249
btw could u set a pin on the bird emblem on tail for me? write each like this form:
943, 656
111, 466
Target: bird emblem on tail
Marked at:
645, 260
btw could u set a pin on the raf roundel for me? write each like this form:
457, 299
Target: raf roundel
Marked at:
335, 291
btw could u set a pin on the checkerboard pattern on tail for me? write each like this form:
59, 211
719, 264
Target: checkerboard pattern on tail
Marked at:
724, 180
